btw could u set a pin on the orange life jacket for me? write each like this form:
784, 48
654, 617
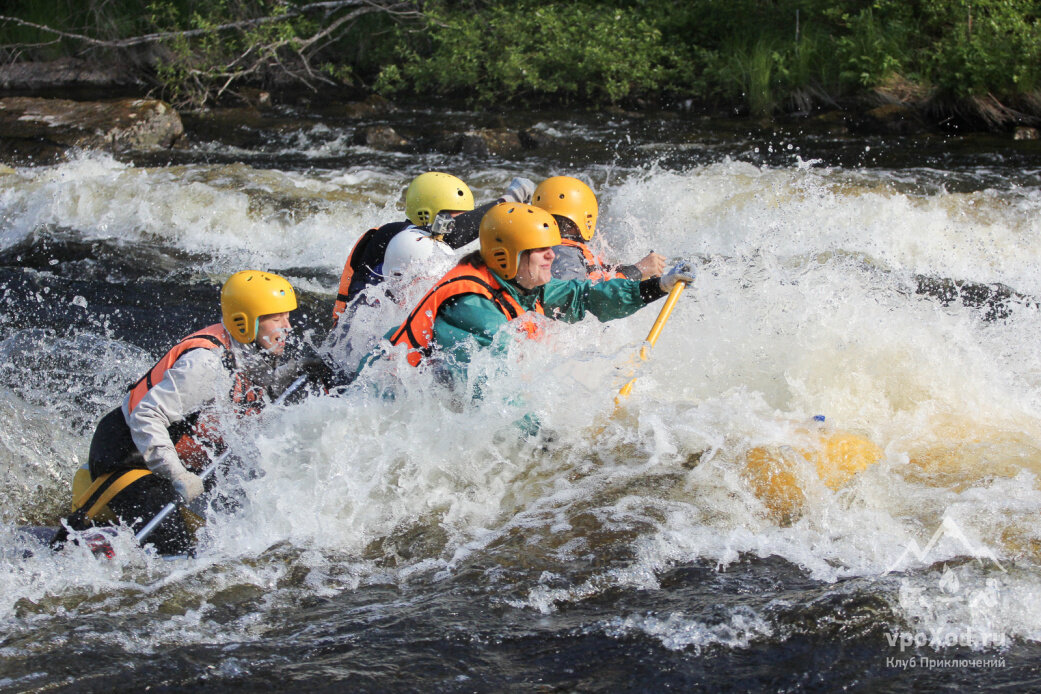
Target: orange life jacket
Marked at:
596, 268
418, 329
345, 278
368, 253
189, 434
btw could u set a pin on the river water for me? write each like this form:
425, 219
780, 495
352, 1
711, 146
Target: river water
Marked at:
420, 543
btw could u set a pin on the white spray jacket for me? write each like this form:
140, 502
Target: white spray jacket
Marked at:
201, 381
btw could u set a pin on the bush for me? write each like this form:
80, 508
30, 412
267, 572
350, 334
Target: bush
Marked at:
983, 46
763, 54
573, 52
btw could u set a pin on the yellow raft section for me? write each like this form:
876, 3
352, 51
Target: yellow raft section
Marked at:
775, 473
81, 482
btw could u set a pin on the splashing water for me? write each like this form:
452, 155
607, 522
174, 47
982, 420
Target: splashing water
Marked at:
634, 525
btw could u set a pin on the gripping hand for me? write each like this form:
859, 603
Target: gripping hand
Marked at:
519, 190
681, 272
188, 485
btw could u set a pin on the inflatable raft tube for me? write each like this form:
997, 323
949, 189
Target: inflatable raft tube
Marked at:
81, 482
776, 473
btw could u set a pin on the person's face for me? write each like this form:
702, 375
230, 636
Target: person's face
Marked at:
535, 267
272, 330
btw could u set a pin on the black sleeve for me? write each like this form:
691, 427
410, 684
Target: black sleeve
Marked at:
631, 272
650, 290
467, 225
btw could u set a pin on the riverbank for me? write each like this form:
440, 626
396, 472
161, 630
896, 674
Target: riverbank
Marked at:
37, 130
890, 67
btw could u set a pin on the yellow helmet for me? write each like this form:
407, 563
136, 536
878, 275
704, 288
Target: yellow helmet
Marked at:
435, 192
250, 294
509, 229
571, 198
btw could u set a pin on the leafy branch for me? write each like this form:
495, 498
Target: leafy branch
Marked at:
198, 63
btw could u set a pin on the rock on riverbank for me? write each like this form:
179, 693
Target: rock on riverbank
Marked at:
34, 129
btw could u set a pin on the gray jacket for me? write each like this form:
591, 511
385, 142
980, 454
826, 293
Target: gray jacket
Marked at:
199, 381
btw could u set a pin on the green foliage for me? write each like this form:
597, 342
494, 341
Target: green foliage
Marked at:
574, 51
766, 55
962, 47
984, 46
199, 67
871, 47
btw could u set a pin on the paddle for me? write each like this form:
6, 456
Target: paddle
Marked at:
144, 532
652, 337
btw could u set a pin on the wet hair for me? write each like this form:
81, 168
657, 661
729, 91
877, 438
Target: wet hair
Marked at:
568, 229
472, 258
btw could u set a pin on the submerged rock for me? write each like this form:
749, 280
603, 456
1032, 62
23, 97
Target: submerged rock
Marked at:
834, 121
483, 142
375, 105
530, 138
379, 137
889, 119
43, 128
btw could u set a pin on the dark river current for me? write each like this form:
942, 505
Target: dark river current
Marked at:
420, 543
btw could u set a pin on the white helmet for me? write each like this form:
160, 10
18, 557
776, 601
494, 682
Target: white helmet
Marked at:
414, 252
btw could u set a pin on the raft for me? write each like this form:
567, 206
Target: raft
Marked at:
776, 473
103, 515
81, 482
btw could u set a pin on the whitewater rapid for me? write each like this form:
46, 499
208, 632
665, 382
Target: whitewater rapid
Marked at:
805, 303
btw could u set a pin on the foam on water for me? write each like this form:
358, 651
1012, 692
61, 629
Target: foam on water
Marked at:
678, 632
805, 303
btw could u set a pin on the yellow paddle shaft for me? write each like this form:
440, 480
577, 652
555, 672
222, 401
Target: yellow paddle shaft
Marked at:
659, 323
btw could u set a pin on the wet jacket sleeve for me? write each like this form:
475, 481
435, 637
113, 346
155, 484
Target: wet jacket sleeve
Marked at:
630, 271
474, 317
570, 301
467, 226
193, 382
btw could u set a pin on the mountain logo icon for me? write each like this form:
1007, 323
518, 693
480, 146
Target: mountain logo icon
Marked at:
948, 529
